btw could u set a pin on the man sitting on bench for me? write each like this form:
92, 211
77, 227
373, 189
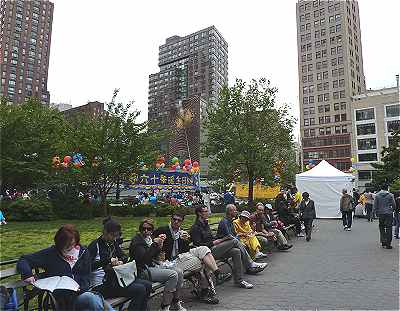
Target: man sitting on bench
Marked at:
176, 247
260, 224
221, 248
226, 228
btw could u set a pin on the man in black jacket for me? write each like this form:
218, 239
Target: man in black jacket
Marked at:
106, 253
221, 248
176, 247
307, 213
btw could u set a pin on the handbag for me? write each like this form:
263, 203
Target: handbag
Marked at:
123, 275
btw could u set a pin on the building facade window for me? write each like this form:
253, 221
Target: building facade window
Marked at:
367, 157
366, 144
365, 114
366, 129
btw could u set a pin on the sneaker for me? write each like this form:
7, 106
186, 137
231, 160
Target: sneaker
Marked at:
344, 228
209, 298
348, 229
396, 237
263, 265
260, 255
166, 308
389, 246
222, 277
288, 246
300, 235
254, 270
244, 284
308, 239
177, 306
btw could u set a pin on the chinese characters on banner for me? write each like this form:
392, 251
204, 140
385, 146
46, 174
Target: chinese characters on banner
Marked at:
167, 181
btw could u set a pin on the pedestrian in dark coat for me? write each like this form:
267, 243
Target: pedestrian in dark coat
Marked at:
346, 207
307, 214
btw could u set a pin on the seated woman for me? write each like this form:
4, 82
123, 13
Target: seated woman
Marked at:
247, 235
145, 251
105, 253
66, 258
177, 249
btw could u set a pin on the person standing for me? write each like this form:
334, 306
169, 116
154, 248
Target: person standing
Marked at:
384, 205
2, 219
397, 214
307, 213
369, 201
346, 207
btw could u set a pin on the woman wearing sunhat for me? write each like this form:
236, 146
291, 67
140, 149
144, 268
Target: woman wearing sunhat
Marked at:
247, 235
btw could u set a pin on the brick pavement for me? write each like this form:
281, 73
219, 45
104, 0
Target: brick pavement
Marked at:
336, 270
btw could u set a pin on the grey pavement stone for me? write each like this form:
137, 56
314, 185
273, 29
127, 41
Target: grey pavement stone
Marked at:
337, 270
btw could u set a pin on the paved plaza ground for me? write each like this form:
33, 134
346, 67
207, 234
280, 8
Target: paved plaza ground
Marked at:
336, 270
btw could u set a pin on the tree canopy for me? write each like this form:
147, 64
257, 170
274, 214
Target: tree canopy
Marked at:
388, 171
247, 134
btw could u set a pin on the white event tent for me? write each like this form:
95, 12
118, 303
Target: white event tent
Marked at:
325, 183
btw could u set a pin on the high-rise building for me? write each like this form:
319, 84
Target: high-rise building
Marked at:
330, 65
25, 40
191, 67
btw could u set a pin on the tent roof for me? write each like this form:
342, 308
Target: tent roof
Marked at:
324, 170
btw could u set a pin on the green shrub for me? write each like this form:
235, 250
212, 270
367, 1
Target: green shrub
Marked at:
163, 210
28, 210
67, 205
142, 210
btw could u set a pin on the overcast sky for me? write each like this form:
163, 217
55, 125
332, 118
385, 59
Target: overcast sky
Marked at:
99, 45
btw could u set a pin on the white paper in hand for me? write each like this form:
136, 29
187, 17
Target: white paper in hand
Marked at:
57, 282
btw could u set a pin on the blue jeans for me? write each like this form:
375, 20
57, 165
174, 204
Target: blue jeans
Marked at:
91, 302
397, 219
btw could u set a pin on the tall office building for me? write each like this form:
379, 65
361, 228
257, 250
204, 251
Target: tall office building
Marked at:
25, 49
193, 69
330, 65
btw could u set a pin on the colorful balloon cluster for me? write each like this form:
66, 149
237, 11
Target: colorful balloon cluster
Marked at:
160, 163
76, 161
188, 166
353, 168
311, 164
277, 170
175, 164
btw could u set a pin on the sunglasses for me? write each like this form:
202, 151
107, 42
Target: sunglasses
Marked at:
147, 229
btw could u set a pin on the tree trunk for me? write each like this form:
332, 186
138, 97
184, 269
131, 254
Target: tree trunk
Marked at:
104, 203
117, 192
250, 193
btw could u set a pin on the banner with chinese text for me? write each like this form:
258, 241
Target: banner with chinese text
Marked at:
165, 181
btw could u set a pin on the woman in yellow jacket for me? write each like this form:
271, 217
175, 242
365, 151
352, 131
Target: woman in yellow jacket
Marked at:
247, 235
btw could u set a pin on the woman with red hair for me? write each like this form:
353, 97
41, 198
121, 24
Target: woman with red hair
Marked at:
65, 258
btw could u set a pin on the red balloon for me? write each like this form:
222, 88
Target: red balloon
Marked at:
67, 159
187, 162
162, 160
195, 164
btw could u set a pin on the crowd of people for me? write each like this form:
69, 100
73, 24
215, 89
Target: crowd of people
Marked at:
164, 255
167, 253
381, 205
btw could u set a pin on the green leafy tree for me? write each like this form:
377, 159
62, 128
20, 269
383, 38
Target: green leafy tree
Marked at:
247, 134
30, 135
112, 145
388, 171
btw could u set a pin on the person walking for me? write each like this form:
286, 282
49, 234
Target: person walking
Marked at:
307, 214
384, 205
346, 207
369, 201
397, 214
